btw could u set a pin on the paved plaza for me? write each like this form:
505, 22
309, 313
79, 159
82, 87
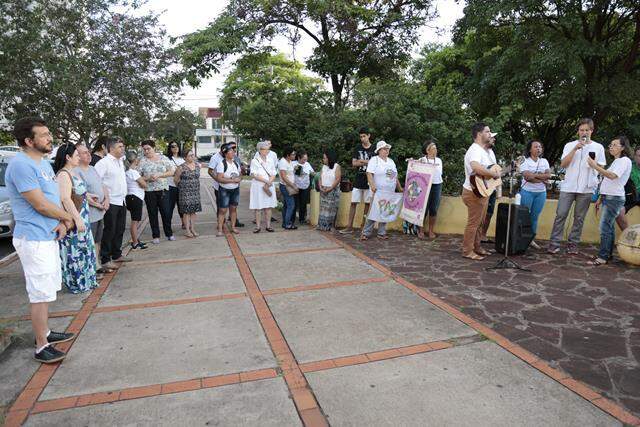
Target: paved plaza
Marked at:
290, 328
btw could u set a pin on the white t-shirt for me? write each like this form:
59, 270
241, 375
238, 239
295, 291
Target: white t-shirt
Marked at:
476, 153
615, 187
302, 180
213, 165
175, 161
287, 166
437, 176
384, 173
112, 172
132, 184
579, 177
535, 166
232, 172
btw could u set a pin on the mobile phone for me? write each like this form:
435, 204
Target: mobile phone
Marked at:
592, 154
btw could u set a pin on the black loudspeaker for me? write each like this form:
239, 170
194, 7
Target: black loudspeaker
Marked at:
520, 230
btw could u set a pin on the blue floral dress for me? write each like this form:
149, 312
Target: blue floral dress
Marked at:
77, 250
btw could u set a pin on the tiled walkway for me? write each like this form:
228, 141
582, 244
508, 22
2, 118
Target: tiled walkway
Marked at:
287, 328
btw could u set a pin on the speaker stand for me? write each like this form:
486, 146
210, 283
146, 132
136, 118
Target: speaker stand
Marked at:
507, 263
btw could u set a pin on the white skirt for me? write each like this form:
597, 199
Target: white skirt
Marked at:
258, 199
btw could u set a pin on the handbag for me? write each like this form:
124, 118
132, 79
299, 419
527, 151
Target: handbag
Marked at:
266, 187
291, 190
77, 199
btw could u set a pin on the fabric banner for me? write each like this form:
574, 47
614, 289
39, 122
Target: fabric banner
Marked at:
385, 206
416, 191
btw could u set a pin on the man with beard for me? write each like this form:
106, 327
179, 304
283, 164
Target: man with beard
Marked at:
40, 223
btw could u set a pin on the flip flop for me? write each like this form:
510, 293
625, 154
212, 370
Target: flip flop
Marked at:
256, 230
474, 256
597, 261
383, 237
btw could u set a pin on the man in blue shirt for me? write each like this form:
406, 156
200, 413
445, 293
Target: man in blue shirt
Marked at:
40, 222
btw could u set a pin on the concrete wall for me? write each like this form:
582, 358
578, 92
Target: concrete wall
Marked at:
452, 217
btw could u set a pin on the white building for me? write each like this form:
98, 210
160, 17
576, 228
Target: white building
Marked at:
209, 140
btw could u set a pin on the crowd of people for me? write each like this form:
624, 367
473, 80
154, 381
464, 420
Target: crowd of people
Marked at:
71, 216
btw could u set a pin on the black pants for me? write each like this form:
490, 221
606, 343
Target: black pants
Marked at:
302, 199
114, 223
158, 201
173, 202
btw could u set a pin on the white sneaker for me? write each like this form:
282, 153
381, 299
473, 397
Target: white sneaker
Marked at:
156, 241
171, 238
534, 245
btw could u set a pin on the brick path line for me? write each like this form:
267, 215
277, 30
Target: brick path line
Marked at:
23, 405
178, 261
577, 387
152, 390
112, 308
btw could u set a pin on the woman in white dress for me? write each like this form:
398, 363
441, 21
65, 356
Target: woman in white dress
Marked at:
263, 192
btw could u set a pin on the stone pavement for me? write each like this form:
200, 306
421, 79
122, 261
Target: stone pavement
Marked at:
583, 320
286, 328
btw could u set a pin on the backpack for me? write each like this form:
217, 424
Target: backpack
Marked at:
235, 160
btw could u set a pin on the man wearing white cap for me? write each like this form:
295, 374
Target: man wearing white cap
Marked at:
382, 175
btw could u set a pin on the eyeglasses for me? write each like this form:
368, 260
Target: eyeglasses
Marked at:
173, 146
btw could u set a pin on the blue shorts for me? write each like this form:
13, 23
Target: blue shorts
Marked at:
228, 197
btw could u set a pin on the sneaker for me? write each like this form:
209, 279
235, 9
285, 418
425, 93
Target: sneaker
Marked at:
59, 337
156, 241
553, 250
142, 245
346, 231
535, 246
171, 238
49, 355
572, 249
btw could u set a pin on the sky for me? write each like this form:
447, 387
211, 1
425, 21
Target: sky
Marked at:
186, 16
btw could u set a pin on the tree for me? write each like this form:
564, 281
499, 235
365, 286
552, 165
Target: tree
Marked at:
178, 125
268, 96
536, 67
82, 66
353, 40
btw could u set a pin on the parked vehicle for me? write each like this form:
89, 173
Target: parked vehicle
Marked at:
6, 215
9, 150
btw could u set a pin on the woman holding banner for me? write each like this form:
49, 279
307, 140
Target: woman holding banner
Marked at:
382, 175
430, 151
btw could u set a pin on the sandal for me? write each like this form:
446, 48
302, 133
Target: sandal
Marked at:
383, 237
474, 256
597, 261
482, 252
269, 229
256, 230
363, 238
421, 235
189, 235
235, 231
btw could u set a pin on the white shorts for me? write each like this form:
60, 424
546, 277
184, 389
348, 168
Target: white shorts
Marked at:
42, 268
358, 194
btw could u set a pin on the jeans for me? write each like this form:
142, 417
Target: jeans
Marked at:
535, 202
562, 212
173, 201
288, 207
434, 199
611, 207
302, 199
114, 224
476, 212
158, 201
368, 228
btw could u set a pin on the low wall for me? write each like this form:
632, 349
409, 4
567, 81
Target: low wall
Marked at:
452, 217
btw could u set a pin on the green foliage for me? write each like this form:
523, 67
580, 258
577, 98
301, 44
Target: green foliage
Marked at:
86, 69
353, 40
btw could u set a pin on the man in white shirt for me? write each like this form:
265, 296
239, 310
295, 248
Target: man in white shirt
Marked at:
580, 181
111, 170
476, 161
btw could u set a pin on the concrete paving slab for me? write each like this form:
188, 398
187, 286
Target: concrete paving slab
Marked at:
158, 345
329, 323
288, 270
474, 385
182, 249
259, 403
135, 284
13, 295
293, 240
16, 362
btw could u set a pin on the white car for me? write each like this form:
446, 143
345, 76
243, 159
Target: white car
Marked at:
9, 150
6, 215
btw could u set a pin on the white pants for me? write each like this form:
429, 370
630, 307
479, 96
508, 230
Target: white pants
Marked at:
42, 268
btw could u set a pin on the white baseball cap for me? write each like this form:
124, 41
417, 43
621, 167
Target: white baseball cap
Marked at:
382, 144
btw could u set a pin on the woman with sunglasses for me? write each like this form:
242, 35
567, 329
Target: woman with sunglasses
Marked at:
174, 154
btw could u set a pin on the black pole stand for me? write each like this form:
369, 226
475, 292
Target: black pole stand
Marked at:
506, 262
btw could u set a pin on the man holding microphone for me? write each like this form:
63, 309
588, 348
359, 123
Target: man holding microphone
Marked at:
580, 181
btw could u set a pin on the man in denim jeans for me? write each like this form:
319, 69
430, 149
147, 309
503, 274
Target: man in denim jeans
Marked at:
579, 183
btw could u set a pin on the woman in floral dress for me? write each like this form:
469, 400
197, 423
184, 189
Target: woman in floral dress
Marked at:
187, 178
77, 250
